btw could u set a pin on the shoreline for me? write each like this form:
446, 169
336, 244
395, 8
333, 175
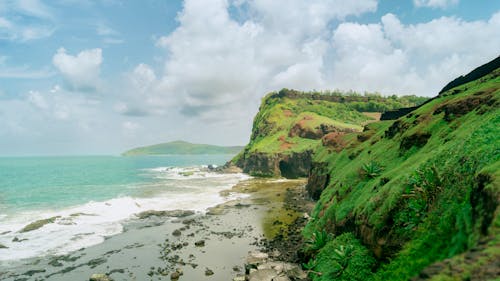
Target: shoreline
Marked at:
213, 246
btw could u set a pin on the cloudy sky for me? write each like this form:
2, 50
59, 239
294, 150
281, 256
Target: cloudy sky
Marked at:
102, 76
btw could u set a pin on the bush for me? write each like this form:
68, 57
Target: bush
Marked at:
318, 240
371, 170
343, 258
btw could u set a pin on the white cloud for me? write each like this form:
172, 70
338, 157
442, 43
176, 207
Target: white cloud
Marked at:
217, 67
37, 100
435, 3
80, 71
104, 30
24, 72
15, 27
395, 58
34, 8
216, 62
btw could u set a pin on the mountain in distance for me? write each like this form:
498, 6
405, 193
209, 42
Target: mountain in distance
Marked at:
182, 147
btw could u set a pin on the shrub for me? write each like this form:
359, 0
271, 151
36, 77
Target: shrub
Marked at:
343, 258
371, 170
318, 240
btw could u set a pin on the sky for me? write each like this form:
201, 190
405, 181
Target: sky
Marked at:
80, 77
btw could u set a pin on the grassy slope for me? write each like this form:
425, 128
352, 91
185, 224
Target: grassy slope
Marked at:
426, 198
277, 116
182, 147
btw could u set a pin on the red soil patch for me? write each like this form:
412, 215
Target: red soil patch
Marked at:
285, 145
334, 140
288, 113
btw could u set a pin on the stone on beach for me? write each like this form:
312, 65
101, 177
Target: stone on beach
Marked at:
100, 277
172, 213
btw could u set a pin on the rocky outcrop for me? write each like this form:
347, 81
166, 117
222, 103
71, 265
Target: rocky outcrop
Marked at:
171, 213
395, 114
261, 267
38, 224
293, 165
301, 130
318, 180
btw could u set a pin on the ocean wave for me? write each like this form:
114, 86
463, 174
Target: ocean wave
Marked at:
89, 224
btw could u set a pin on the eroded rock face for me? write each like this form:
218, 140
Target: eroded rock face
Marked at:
259, 267
316, 133
318, 180
290, 166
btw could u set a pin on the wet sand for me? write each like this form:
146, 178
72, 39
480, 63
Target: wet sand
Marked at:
211, 246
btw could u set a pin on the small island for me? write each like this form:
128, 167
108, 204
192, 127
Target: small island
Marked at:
181, 148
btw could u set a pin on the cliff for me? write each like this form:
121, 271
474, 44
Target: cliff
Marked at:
291, 124
413, 198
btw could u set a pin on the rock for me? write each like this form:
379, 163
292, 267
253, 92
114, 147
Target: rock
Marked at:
180, 271
291, 166
100, 277
263, 275
176, 232
255, 258
236, 268
38, 224
281, 278
172, 213
208, 272
229, 168
16, 239
239, 278
296, 273
318, 179
200, 243
2, 246
175, 275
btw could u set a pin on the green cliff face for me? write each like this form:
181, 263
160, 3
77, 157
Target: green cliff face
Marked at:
290, 125
413, 198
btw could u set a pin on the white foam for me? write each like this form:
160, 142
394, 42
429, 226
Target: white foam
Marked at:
197, 191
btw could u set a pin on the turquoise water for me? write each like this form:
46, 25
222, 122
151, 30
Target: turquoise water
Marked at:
28, 183
91, 198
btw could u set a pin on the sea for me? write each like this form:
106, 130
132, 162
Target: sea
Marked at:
93, 197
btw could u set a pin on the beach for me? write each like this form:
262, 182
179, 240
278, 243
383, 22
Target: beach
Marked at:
200, 246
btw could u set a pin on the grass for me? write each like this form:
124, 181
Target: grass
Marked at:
421, 201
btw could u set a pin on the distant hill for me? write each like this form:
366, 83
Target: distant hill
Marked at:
182, 147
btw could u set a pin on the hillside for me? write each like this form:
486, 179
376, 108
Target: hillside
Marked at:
291, 124
415, 198
182, 147
405, 194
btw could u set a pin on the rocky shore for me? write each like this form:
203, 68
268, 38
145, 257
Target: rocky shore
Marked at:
181, 245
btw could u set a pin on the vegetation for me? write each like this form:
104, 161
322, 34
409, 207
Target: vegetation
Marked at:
344, 258
418, 190
291, 122
182, 147
400, 199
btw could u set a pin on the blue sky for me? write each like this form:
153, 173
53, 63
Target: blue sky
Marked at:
101, 76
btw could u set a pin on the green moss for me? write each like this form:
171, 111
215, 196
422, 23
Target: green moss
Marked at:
343, 258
